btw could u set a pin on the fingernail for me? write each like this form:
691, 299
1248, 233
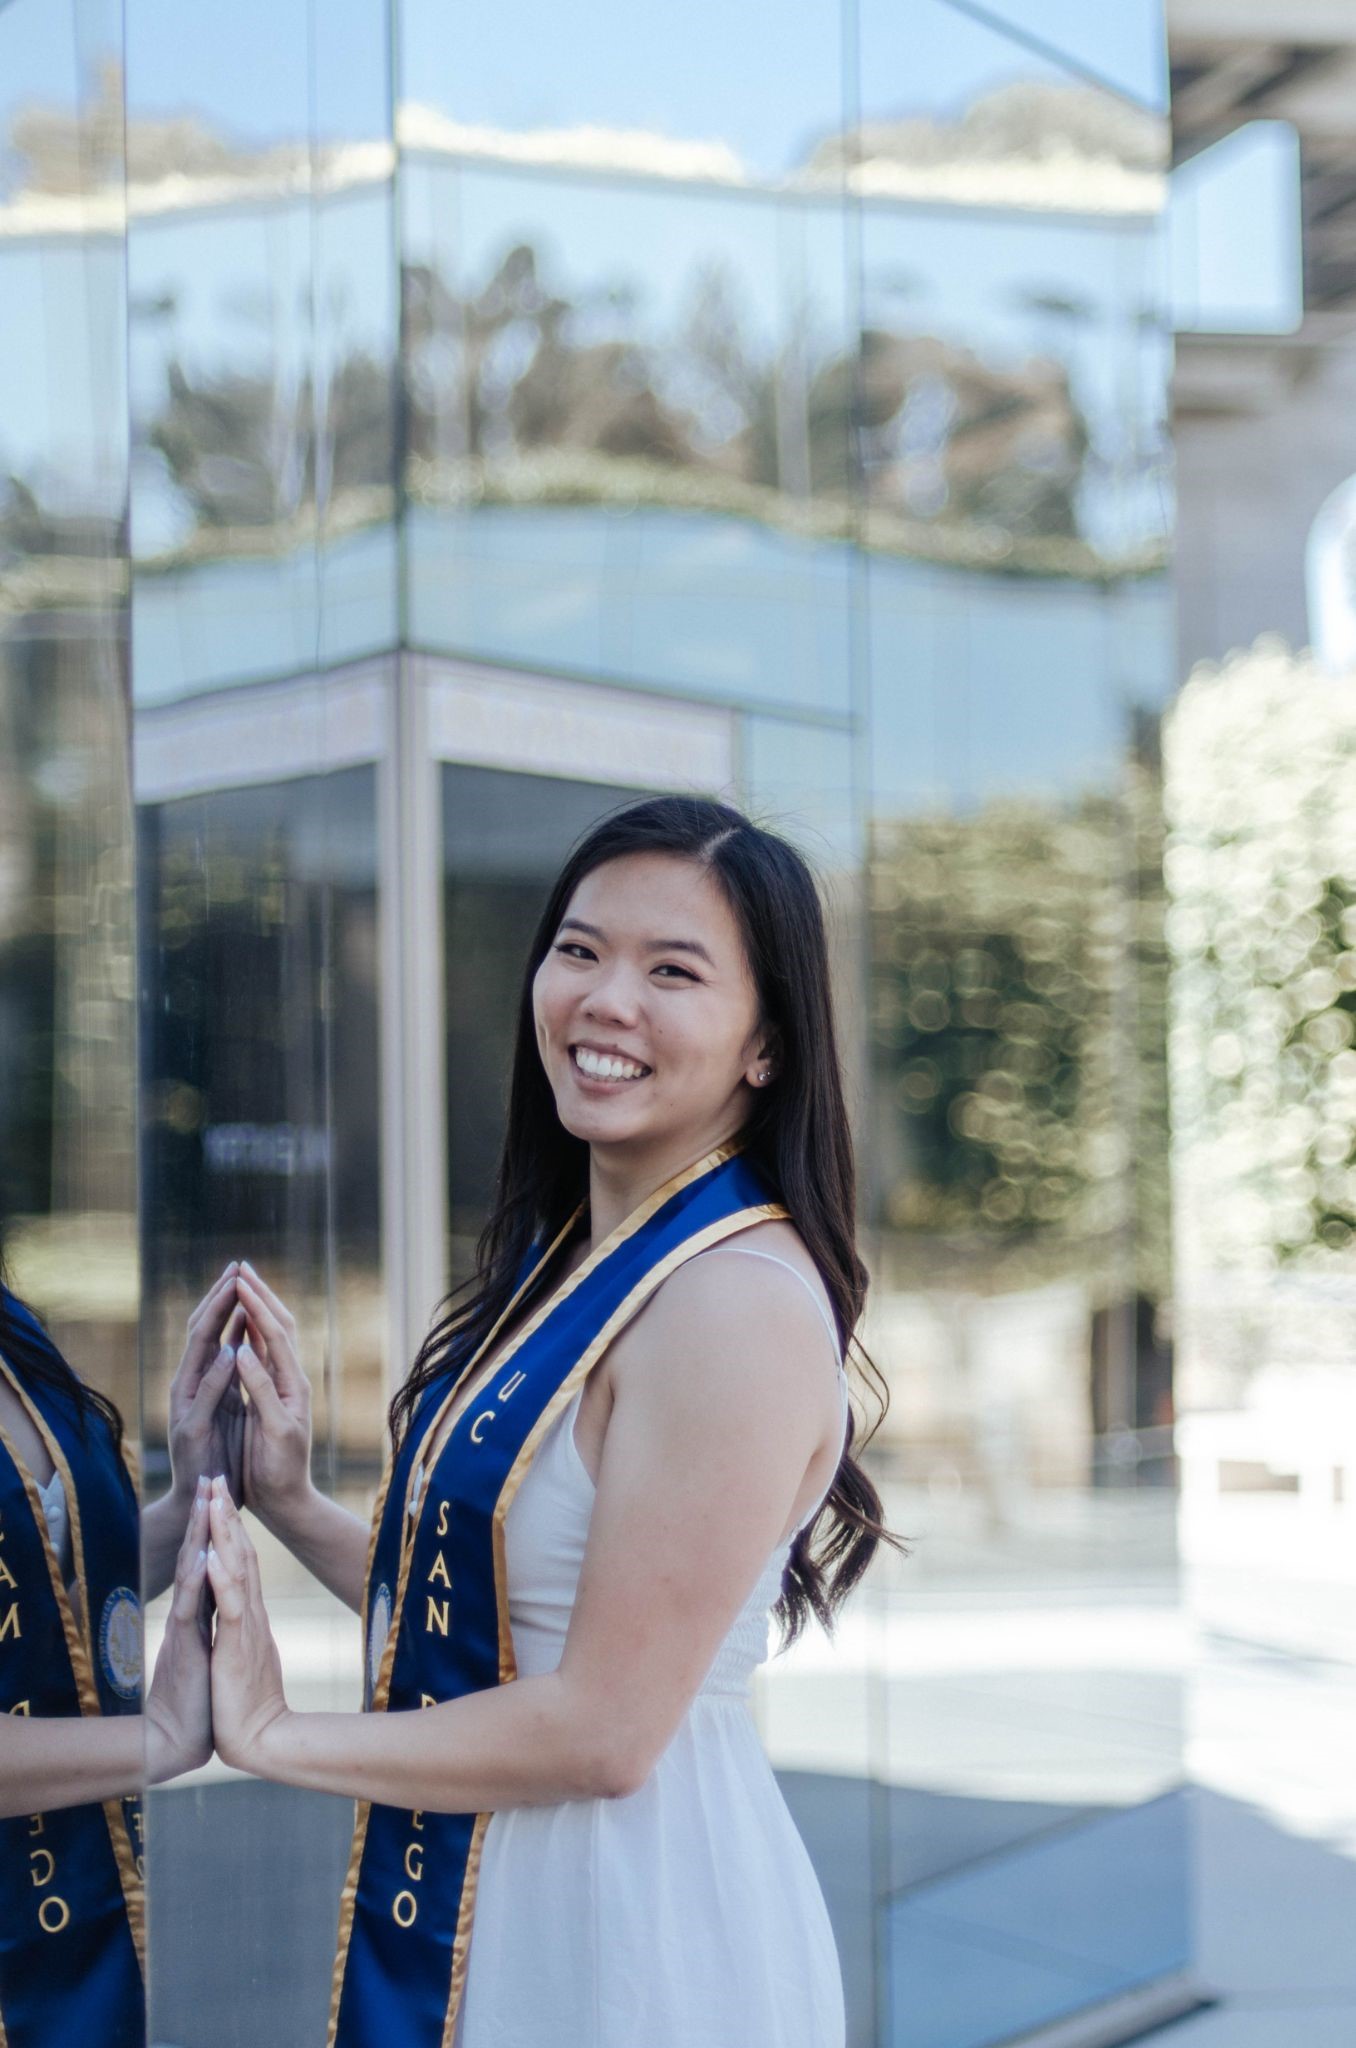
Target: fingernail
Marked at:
228, 1351
201, 1557
246, 1267
211, 1553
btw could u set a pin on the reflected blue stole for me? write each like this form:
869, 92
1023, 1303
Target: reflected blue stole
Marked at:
436, 1567
71, 1899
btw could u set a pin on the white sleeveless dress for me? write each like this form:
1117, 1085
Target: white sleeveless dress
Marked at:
685, 1915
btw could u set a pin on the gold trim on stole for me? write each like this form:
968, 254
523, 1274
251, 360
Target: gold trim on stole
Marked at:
79, 1647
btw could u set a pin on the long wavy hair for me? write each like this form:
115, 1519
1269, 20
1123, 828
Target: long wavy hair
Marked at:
27, 1347
797, 1133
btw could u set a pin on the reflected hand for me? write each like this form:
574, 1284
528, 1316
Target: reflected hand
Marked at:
247, 1688
207, 1418
276, 1461
179, 1699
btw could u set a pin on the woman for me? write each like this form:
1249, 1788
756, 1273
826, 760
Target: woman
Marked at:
75, 1747
610, 1459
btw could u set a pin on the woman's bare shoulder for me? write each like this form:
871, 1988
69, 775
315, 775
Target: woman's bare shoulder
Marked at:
721, 1304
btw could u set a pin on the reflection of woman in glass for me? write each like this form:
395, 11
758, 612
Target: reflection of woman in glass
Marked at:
75, 1746
646, 1372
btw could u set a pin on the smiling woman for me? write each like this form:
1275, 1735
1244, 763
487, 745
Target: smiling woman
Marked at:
612, 1458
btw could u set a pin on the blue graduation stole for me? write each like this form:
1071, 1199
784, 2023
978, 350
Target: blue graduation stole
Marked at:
436, 1571
71, 1896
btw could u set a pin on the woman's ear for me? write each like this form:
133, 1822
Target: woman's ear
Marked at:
762, 1068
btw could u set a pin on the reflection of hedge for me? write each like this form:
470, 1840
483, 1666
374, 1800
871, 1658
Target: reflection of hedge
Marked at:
572, 476
1261, 868
1019, 1000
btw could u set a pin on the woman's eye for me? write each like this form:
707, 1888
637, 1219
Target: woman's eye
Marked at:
672, 967
573, 949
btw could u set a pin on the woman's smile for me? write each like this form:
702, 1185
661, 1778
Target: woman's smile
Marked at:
606, 1068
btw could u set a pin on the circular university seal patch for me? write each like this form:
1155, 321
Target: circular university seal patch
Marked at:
378, 1629
120, 1642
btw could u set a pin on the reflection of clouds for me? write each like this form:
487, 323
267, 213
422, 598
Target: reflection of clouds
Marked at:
1039, 145
1046, 147
588, 147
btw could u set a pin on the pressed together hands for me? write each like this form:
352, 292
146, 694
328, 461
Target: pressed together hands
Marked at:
240, 1433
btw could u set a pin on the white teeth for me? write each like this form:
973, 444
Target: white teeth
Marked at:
606, 1066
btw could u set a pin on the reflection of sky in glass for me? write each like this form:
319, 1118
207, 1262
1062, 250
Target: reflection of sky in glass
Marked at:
38, 66
928, 57
628, 257
1125, 44
246, 71
762, 78
54, 404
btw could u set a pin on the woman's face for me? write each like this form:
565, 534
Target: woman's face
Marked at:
645, 1008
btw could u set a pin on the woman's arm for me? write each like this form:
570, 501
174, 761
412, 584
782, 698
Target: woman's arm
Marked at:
81, 1760
723, 1391
72, 1761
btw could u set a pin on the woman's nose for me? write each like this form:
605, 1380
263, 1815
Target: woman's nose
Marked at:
613, 994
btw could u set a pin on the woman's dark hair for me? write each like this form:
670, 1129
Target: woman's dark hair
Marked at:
797, 1133
34, 1357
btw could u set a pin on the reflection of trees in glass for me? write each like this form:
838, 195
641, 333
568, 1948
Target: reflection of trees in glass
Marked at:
520, 395
948, 435
1018, 993
536, 375
241, 448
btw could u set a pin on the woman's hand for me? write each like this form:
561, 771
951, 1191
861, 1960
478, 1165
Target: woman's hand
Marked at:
276, 1462
247, 1689
207, 1415
179, 1699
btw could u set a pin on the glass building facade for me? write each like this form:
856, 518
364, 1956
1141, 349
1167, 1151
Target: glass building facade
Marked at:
413, 442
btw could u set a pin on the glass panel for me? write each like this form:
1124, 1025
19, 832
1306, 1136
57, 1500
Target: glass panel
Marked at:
1014, 376
356, 338
260, 1078
957, 106
800, 781
1124, 46
220, 280
1019, 648
71, 1689
629, 431
666, 94
1235, 234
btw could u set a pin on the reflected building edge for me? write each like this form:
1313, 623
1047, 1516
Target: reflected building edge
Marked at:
510, 437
